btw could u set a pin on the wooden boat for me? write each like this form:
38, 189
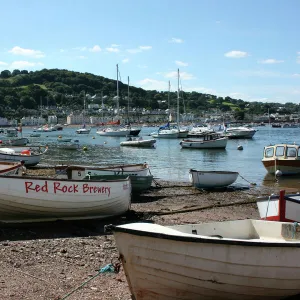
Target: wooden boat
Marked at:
244, 259
11, 168
138, 142
283, 208
209, 141
212, 179
138, 174
138, 183
283, 158
30, 155
42, 199
79, 171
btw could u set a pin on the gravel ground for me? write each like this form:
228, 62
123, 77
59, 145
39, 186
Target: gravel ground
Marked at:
50, 260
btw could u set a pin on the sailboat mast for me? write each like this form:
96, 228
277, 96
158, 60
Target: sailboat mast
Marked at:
169, 95
128, 103
117, 90
178, 99
102, 106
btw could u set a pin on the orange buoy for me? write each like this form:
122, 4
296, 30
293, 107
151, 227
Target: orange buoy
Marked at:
25, 152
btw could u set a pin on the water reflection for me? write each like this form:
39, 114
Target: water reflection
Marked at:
282, 182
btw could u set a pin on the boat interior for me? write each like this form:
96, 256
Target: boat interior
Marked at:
254, 230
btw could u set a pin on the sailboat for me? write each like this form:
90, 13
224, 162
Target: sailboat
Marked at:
134, 131
83, 130
115, 131
171, 130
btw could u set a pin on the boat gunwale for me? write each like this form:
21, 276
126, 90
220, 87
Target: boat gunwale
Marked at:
202, 239
106, 168
127, 179
214, 172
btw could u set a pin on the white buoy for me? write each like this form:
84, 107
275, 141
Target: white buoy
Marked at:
240, 147
278, 173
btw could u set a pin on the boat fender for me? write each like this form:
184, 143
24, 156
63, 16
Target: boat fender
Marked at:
84, 148
240, 147
278, 173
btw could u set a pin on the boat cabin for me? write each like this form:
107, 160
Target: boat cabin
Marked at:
282, 151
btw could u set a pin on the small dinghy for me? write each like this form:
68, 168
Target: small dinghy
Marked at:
138, 142
212, 179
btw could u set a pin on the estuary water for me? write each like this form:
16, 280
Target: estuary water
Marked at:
167, 160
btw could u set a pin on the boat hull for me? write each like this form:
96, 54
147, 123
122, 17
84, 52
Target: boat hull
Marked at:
113, 132
287, 167
280, 208
159, 264
212, 179
212, 144
141, 143
38, 199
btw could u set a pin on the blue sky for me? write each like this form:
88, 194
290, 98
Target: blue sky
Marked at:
246, 49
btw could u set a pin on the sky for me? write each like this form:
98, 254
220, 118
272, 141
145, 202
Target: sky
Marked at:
244, 49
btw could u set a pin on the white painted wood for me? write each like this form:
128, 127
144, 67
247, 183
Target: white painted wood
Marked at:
212, 179
158, 266
31, 198
138, 142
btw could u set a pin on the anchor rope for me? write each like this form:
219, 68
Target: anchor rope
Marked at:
252, 183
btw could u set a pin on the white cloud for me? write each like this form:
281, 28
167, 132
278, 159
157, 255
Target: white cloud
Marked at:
294, 75
112, 49
183, 75
22, 64
26, 52
145, 47
153, 84
271, 61
80, 48
125, 60
181, 63
2, 63
236, 54
139, 49
96, 48
176, 41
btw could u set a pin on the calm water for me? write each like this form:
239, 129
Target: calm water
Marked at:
168, 161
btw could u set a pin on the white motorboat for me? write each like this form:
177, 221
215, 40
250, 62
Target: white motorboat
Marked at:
138, 142
114, 131
199, 130
212, 179
30, 155
240, 132
282, 158
30, 198
243, 259
209, 141
83, 130
166, 133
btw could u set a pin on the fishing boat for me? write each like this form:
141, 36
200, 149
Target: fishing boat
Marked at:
243, 259
282, 159
30, 155
27, 198
11, 168
138, 142
209, 141
282, 207
80, 170
139, 174
212, 179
